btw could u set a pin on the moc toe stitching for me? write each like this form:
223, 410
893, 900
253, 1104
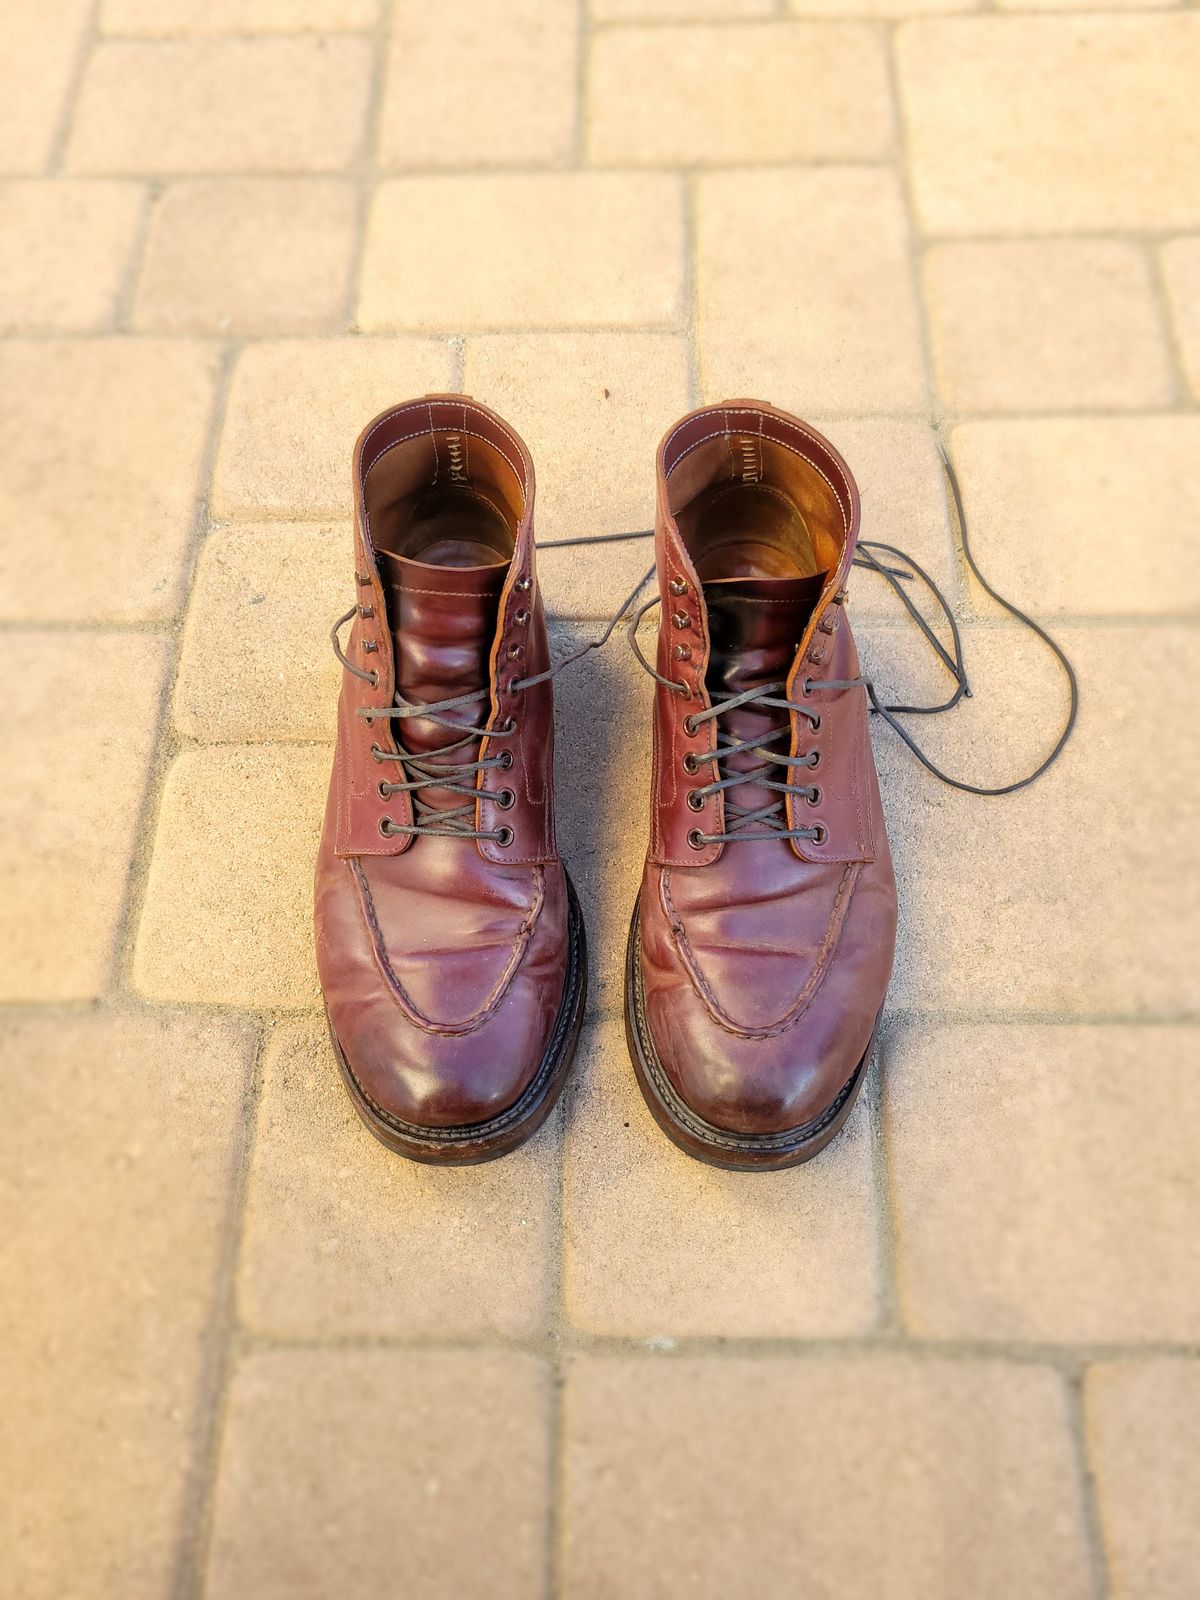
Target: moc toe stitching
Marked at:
808, 990
401, 996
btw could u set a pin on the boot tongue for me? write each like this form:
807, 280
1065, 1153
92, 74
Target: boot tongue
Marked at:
443, 622
755, 626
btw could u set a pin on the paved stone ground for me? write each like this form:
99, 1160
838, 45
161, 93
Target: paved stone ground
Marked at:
246, 1353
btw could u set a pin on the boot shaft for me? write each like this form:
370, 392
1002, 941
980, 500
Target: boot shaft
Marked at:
756, 527
448, 603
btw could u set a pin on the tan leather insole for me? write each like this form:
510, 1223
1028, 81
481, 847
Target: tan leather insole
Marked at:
747, 530
454, 527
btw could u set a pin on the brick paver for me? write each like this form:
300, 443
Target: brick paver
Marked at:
510, 98
796, 300
248, 255
1030, 1167
603, 811
242, 105
255, 660
1070, 508
1047, 124
678, 10
1142, 1421
902, 485
244, 1350
59, 834
812, 1271
582, 402
41, 38
49, 226
1046, 325
227, 917
296, 407
168, 18
343, 1239
869, 1477
1181, 271
981, 916
414, 1473
659, 96
526, 251
103, 444
119, 1146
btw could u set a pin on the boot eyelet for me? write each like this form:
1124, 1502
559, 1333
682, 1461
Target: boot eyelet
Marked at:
806, 687
691, 763
814, 760
695, 839
373, 678
506, 760
515, 652
524, 585
820, 833
689, 727
370, 646
815, 724
506, 727
678, 586
366, 611
385, 827
385, 789
683, 688
695, 800
814, 795
681, 619
504, 837
505, 798
522, 617
376, 753
682, 652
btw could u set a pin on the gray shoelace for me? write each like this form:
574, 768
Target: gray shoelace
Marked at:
770, 821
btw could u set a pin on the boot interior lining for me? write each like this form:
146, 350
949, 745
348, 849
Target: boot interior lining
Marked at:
444, 498
750, 507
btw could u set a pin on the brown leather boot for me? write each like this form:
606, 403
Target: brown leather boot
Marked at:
450, 944
762, 939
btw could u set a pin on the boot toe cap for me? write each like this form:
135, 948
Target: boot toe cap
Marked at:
427, 1079
751, 1085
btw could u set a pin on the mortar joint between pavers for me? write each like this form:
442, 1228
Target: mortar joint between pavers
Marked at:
166, 743
225, 1334
367, 166
1086, 1484
131, 278
66, 117
584, 23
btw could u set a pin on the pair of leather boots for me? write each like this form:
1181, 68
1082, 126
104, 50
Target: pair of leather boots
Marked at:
450, 943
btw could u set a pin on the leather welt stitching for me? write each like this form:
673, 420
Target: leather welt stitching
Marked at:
401, 995
812, 983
